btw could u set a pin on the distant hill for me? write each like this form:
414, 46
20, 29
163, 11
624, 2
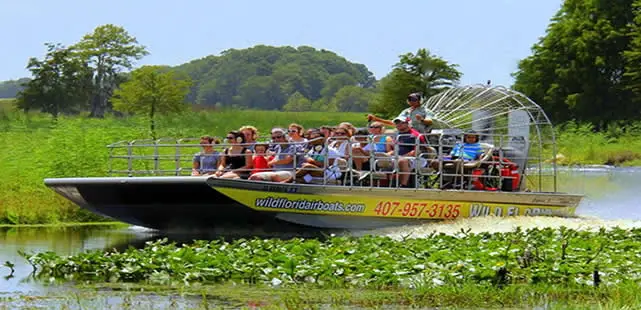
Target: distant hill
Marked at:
266, 77
9, 89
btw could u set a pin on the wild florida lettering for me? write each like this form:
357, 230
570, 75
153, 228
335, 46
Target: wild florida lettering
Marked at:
308, 205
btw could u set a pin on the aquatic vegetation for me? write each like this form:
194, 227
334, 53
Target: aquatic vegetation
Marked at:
537, 256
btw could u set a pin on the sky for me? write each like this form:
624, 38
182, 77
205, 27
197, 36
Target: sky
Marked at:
485, 38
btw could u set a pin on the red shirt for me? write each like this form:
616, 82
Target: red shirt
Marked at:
260, 164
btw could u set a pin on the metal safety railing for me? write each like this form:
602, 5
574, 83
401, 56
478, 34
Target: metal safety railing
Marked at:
428, 164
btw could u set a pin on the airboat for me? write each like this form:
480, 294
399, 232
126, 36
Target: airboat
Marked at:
150, 185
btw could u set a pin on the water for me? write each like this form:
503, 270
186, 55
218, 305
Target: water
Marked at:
612, 199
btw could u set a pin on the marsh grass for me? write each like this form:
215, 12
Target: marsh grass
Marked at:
36, 147
623, 295
619, 146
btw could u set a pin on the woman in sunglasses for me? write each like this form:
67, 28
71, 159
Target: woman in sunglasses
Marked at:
237, 161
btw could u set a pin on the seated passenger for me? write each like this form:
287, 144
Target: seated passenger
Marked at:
237, 159
312, 134
251, 134
470, 150
327, 130
341, 143
380, 145
350, 128
406, 150
260, 158
283, 161
206, 162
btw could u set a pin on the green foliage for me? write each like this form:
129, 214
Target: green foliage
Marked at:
267, 77
35, 147
151, 92
586, 67
59, 84
108, 50
560, 257
580, 144
424, 72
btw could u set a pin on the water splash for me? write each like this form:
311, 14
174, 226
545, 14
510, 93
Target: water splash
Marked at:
501, 224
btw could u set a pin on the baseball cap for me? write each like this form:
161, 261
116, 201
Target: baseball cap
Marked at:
401, 119
415, 96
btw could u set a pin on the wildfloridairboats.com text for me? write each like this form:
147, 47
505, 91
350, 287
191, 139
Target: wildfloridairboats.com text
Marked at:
309, 205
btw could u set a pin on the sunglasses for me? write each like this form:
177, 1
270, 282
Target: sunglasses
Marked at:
374, 126
292, 130
338, 133
277, 137
412, 99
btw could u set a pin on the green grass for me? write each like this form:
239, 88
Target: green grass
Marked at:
580, 145
536, 267
7, 104
36, 147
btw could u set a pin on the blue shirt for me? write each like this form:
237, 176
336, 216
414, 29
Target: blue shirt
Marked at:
467, 151
207, 162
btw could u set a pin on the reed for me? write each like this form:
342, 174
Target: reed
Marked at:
36, 147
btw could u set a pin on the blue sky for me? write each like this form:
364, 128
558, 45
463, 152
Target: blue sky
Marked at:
486, 38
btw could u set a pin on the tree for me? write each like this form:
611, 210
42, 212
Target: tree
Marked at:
352, 99
576, 71
60, 83
109, 49
424, 72
297, 103
151, 91
632, 58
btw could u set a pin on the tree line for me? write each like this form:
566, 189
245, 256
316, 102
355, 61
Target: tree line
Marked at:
96, 75
586, 68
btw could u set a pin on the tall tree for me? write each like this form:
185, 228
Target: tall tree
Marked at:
576, 70
152, 91
108, 49
632, 57
421, 72
60, 83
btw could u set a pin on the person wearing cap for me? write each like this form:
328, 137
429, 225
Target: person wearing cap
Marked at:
420, 116
283, 162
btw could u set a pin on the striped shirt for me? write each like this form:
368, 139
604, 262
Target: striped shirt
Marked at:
468, 151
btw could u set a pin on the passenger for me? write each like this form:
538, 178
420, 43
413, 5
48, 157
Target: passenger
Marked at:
470, 150
283, 161
420, 116
251, 134
341, 144
380, 145
315, 160
349, 127
260, 158
360, 137
311, 135
237, 159
206, 162
295, 133
327, 130
406, 150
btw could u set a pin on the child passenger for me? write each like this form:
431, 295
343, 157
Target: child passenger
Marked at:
260, 158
